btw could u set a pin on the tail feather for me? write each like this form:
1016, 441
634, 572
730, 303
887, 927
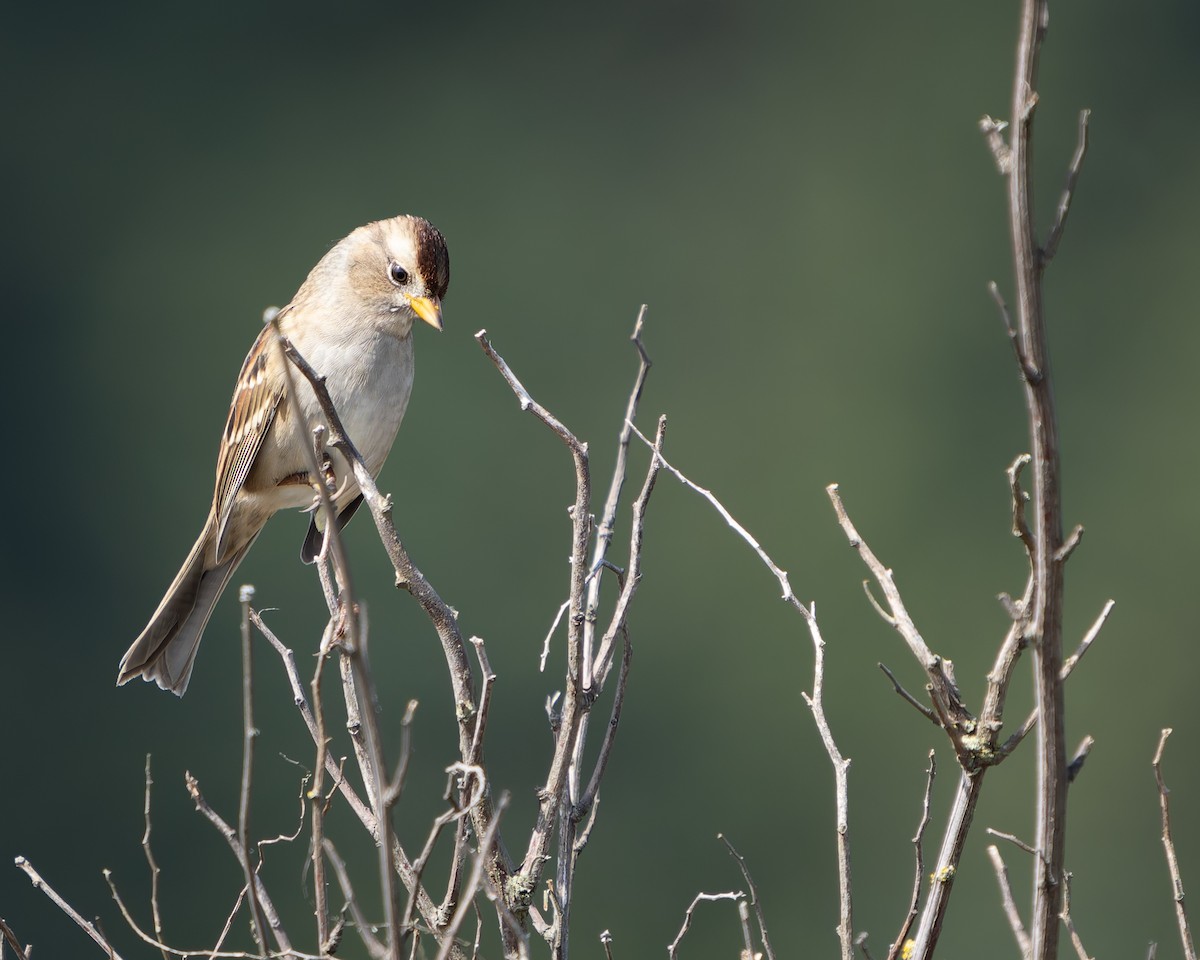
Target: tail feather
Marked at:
165, 651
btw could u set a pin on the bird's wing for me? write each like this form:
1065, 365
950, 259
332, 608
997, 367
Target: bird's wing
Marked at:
255, 402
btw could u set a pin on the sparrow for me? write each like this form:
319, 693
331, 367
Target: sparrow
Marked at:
352, 321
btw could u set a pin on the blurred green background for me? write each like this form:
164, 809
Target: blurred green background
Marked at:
800, 194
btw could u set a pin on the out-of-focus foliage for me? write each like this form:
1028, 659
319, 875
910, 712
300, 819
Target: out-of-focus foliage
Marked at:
801, 195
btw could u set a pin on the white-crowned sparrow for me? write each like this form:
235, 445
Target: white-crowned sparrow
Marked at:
352, 321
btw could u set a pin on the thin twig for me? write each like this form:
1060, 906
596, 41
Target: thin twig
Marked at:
208, 954
608, 517
920, 707
777, 572
400, 861
249, 735
456, 813
953, 715
1008, 903
474, 881
1185, 931
1014, 840
1065, 916
633, 575
149, 854
86, 926
754, 899
919, 877
376, 949
440, 614
1013, 338
735, 895
583, 807
10, 938
317, 796
1050, 248
1068, 666
553, 794
845, 928
231, 837
744, 921
840, 764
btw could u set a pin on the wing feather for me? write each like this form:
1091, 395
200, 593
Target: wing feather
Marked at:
255, 402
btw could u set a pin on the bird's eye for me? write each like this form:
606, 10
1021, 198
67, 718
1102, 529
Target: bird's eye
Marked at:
398, 274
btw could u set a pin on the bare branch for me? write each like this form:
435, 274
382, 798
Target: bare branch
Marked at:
474, 882
1068, 666
687, 916
779, 574
917, 704
1065, 916
526, 401
840, 764
633, 575
208, 954
948, 706
376, 949
1063, 553
149, 854
1185, 932
754, 899
86, 926
583, 807
1015, 841
440, 614
1028, 371
231, 838
1009, 904
845, 927
1044, 626
919, 878
8, 936
551, 794
1086, 643
608, 517
1050, 248
249, 734
744, 920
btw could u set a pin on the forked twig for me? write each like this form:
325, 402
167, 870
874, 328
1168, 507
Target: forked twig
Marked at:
735, 895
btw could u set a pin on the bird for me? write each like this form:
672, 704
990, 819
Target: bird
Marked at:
352, 320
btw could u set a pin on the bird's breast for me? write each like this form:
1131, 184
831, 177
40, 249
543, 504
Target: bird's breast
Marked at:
369, 380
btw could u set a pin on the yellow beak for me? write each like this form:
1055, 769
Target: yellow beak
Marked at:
428, 309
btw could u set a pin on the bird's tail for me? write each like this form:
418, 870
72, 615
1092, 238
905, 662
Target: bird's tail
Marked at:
166, 649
